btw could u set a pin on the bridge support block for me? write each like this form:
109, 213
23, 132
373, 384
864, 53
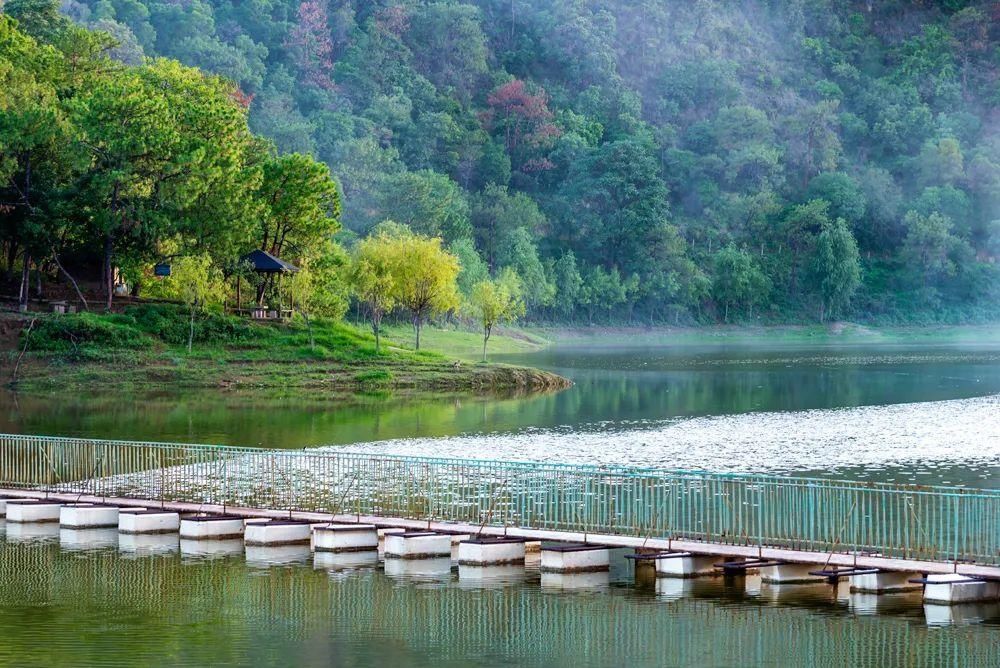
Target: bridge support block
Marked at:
685, 565
885, 582
148, 522
32, 512
211, 527
491, 551
575, 559
278, 533
345, 538
88, 516
790, 574
417, 545
382, 533
952, 589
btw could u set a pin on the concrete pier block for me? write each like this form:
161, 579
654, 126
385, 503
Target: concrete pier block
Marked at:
3, 506
345, 561
211, 549
382, 533
587, 581
211, 527
345, 538
438, 568
685, 565
952, 589
88, 516
148, 544
533, 547
88, 539
575, 559
278, 533
148, 522
884, 582
491, 551
417, 545
791, 574
32, 511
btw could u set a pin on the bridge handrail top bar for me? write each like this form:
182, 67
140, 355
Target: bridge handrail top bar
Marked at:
609, 469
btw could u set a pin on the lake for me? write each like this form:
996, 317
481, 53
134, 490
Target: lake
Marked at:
890, 412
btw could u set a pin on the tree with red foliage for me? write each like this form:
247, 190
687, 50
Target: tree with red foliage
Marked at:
526, 121
310, 41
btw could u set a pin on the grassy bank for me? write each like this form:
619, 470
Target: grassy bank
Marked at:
145, 348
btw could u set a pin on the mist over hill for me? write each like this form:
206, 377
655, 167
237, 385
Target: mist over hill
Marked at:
653, 161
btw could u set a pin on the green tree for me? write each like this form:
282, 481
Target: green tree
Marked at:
737, 279
835, 268
569, 284
196, 281
494, 302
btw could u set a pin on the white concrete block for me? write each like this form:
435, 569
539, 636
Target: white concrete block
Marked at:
491, 551
533, 547
575, 559
591, 581
32, 511
791, 574
884, 582
211, 549
88, 516
148, 544
88, 539
345, 538
266, 556
951, 588
345, 561
685, 565
418, 545
437, 569
148, 522
218, 527
382, 533
278, 533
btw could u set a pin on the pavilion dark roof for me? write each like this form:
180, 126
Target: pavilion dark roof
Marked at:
265, 263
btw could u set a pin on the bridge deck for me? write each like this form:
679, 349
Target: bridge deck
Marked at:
790, 518
694, 547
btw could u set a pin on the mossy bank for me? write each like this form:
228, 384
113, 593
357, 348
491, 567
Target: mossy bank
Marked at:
145, 349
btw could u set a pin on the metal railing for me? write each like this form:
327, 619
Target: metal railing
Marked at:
813, 514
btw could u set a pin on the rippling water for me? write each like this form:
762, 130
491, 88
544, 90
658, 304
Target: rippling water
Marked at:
909, 439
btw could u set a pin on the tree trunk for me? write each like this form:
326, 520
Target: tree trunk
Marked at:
416, 327
309, 326
79, 294
109, 279
486, 337
191, 329
25, 283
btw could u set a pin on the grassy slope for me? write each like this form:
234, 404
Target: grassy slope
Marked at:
145, 350
464, 344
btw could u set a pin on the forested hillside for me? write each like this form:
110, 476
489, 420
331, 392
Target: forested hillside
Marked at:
696, 161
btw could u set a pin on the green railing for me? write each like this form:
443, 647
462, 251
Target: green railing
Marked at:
907, 521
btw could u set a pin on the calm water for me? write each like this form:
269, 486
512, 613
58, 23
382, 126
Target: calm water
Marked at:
887, 413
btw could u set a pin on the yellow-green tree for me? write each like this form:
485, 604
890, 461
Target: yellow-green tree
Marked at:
426, 278
494, 302
372, 278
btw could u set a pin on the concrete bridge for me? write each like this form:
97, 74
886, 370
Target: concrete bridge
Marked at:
883, 537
